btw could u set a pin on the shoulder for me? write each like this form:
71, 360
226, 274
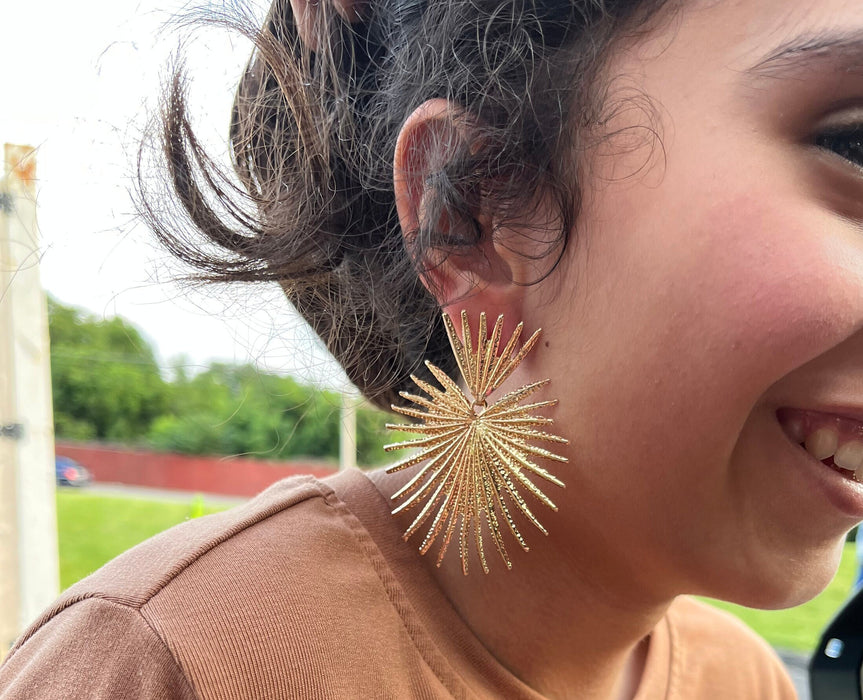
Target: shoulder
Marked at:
93, 649
144, 572
250, 602
102, 629
711, 648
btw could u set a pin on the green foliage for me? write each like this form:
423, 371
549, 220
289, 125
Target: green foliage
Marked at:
240, 410
108, 386
71, 428
372, 435
197, 508
105, 378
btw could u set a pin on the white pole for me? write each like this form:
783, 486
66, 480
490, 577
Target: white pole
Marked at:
8, 513
348, 431
28, 510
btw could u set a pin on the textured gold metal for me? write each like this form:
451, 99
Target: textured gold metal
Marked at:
476, 455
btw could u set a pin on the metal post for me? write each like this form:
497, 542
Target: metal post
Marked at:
29, 566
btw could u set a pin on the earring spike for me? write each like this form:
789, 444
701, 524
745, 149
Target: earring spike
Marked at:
476, 456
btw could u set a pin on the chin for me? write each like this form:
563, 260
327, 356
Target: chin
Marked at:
800, 581
776, 581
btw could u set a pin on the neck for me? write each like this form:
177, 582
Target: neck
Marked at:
565, 620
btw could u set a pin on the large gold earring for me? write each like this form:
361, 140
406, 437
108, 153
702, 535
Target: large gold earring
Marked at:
476, 454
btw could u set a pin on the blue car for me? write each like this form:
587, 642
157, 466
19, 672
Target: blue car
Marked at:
70, 473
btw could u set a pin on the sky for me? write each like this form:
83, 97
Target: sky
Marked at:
80, 81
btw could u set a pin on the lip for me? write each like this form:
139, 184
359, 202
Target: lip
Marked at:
842, 493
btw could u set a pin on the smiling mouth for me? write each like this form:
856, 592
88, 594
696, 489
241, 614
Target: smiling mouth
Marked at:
835, 441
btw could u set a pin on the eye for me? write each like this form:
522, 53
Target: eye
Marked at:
846, 142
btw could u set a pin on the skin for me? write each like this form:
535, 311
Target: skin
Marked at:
708, 285
305, 14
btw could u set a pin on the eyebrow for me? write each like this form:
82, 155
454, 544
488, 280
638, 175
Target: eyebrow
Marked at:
842, 49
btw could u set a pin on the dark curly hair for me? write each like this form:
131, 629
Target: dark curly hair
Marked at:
313, 134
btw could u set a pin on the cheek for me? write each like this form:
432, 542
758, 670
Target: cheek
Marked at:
681, 326
769, 289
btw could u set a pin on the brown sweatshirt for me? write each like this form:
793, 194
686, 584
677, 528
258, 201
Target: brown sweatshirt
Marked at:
308, 591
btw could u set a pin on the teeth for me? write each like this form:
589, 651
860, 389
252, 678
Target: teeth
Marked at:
824, 436
850, 455
822, 443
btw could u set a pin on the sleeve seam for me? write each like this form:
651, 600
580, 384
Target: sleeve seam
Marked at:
161, 640
137, 612
168, 575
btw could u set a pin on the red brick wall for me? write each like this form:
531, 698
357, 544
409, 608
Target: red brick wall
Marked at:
225, 475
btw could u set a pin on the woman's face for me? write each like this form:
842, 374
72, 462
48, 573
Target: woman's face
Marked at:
716, 278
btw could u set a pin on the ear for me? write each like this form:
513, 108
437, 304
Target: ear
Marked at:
487, 276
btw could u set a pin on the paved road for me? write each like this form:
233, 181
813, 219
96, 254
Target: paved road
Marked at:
797, 665
213, 499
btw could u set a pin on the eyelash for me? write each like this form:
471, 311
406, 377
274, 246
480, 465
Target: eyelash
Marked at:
846, 142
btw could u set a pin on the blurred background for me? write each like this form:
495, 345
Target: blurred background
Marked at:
81, 82
153, 391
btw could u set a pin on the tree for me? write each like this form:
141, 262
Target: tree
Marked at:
105, 378
107, 385
372, 435
230, 409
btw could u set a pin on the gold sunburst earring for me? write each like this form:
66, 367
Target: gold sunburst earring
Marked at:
476, 455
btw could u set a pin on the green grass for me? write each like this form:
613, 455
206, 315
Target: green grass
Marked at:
96, 528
